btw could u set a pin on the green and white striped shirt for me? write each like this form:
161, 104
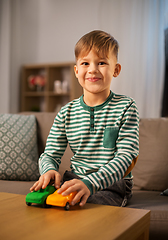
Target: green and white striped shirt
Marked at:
104, 140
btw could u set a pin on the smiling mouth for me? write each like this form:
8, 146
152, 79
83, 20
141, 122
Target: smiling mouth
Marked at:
95, 79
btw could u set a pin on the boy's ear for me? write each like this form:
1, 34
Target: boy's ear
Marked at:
76, 71
117, 70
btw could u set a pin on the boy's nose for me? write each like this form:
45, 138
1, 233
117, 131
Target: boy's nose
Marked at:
93, 68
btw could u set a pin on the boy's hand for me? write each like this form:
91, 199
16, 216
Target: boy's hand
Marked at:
45, 179
75, 185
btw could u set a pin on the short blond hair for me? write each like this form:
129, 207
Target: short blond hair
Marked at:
99, 41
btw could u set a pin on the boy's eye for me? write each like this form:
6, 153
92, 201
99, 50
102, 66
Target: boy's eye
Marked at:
102, 63
85, 63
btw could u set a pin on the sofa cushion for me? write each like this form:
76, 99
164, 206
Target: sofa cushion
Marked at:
16, 187
18, 147
44, 124
151, 170
152, 200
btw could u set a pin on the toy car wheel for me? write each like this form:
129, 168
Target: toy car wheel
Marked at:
28, 203
67, 206
45, 205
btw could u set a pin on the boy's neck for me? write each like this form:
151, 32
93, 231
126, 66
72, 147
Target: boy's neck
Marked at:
92, 99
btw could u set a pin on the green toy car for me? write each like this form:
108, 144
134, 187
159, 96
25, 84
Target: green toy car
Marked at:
39, 197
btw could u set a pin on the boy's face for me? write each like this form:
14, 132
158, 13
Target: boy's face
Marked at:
95, 73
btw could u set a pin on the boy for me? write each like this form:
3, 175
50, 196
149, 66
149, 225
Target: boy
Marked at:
102, 129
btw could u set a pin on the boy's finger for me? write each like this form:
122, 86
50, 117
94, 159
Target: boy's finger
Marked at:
66, 188
70, 189
77, 198
36, 186
33, 187
57, 180
83, 200
45, 182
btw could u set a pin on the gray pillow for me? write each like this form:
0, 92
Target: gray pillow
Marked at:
151, 169
18, 147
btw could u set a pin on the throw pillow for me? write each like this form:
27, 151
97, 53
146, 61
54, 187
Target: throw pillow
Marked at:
18, 147
150, 171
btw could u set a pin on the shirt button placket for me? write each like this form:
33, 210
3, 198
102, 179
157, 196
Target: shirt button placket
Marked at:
92, 119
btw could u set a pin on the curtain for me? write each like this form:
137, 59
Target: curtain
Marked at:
165, 92
139, 28
9, 56
5, 56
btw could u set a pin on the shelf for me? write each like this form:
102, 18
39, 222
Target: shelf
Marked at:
42, 94
34, 94
58, 94
48, 100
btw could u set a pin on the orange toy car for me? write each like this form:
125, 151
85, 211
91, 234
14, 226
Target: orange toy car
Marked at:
57, 199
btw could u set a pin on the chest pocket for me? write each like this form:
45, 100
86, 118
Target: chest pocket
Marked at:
110, 137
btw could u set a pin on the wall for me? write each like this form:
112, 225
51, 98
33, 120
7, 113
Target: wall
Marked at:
46, 31
51, 28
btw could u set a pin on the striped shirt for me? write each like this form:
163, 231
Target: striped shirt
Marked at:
104, 140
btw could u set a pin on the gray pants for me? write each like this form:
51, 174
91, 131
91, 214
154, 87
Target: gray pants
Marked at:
117, 194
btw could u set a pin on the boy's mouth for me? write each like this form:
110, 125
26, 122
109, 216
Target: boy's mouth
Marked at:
93, 79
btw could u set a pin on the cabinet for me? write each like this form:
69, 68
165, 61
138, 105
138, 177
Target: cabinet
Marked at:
47, 87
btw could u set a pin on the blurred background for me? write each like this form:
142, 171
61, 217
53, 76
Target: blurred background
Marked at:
46, 31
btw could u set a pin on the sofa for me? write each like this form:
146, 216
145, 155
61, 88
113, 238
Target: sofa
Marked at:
150, 172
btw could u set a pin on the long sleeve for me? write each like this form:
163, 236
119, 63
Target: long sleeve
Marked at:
55, 146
